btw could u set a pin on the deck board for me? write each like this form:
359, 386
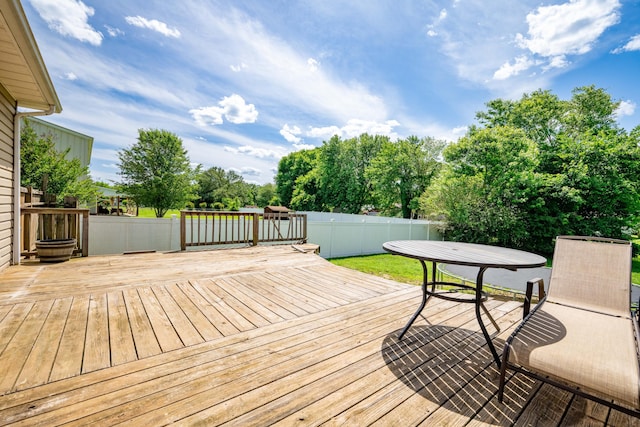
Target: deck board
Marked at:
254, 336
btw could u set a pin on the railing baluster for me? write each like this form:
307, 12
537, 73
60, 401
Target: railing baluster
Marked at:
241, 227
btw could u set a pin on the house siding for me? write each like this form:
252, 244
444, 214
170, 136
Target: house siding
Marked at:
7, 111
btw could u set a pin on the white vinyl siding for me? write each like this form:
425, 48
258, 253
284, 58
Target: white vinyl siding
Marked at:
7, 111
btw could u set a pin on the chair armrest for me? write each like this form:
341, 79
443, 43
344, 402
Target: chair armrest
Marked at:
529, 294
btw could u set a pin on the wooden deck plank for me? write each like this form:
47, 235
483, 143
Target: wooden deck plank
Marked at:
68, 361
185, 330
143, 336
267, 309
199, 297
39, 363
123, 382
233, 309
20, 346
584, 412
204, 327
11, 322
123, 348
280, 299
278, 363
97, 353
319, 347
421, 363
303, 282
547, 408
342, 387
120, 385
346, 291
163, 329
4, 310
307, 301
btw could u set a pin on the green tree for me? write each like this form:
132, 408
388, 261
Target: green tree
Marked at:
215, 185
267, 196
343, 183
39, 159
486, 182
290, 182
537, 168
156, 171
401, 172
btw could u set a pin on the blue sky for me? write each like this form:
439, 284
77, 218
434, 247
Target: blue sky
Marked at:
246, 82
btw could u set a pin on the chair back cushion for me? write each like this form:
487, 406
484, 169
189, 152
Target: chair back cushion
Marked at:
593, 274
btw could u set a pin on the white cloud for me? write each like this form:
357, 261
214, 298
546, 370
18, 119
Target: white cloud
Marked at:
290, 133
313, 64
233, 108
459, 131
569, 28
324, 132
114, 32
237, 111
521, 63
626, 108
279, 70
153, 24
432, 33
69, 18
70, 76
247, 171
261, 153
559, 61
355, 127
631, 45
238, 68
299, 147
207, 115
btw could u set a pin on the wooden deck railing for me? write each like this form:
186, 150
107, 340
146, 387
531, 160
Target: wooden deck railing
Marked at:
205, 228
54, 223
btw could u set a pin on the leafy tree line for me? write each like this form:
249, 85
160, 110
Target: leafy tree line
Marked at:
360, 173
540, 167
156, 172
529, 170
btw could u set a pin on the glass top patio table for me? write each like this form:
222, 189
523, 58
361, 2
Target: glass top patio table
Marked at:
459, 253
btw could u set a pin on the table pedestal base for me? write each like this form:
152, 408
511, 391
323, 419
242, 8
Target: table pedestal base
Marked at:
478, 299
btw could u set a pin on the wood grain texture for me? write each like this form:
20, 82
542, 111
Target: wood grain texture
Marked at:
254, 336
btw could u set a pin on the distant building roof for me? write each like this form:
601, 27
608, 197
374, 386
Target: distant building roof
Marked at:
79, 145
276, 209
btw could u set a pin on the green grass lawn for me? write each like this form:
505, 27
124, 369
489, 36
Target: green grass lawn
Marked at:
150, 213
407, 270
400, 269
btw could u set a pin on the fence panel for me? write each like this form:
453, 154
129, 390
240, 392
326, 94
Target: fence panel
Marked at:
358, 236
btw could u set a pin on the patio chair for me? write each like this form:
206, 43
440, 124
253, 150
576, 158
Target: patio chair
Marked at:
582, 336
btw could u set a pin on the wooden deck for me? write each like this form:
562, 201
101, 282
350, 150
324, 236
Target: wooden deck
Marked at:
252, 337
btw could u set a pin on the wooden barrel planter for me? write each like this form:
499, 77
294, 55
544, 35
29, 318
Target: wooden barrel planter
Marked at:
55, 250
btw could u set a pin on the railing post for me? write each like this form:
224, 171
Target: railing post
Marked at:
85, 233
183, 231
256, 227
304, 231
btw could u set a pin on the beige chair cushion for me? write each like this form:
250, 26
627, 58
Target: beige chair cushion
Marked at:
592, 275
596, 352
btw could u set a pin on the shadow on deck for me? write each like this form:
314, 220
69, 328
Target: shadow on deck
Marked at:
255, 336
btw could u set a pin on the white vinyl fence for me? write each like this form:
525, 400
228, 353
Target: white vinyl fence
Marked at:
339, 235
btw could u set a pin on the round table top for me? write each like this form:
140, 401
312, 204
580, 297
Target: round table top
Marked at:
459, 253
